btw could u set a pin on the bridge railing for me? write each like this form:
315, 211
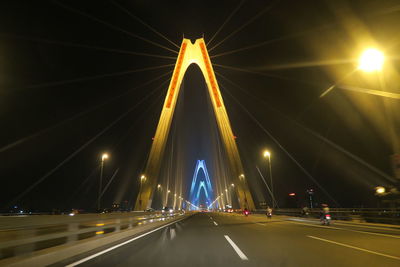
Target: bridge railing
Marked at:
372, 215
25, 234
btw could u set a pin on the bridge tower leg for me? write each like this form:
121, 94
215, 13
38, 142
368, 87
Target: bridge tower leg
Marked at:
193, 53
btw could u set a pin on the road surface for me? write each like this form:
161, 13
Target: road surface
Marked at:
218, 239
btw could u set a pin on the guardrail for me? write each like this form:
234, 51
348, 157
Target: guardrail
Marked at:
372, 215
25, 234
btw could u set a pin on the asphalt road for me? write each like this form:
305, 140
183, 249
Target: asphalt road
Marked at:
217, 239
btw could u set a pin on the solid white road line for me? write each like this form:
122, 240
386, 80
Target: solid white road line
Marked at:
345, 229
216, 224
119, 245
353, 247
260, 224
236, 248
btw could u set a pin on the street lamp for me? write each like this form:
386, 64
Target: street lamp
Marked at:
103, 158
267, 154
380, 190
158, 186
371, 60
142, 179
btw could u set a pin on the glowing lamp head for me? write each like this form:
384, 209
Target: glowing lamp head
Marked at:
142, 178
267, 154
241, 176
158, 186
380, 190
104, 156
233, 185
371, 60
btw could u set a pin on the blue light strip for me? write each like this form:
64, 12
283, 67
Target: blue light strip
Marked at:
205, 185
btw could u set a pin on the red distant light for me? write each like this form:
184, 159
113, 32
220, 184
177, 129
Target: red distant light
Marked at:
234, 137
152, 138
292, 194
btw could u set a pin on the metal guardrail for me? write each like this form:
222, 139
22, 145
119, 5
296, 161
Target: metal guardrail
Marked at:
372, 215
33, 233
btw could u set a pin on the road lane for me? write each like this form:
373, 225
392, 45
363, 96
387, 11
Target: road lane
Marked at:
219, 239
196, 240
277, 242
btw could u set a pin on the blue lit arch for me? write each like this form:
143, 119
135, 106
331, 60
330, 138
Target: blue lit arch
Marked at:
199, 184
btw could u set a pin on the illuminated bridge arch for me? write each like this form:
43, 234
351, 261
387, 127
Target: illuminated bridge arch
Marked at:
193, 53
198, 184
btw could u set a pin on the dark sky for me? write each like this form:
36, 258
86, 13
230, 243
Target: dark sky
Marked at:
57, 92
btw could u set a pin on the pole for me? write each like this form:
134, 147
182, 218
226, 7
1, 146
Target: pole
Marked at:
272, 185
140, 194
100, 185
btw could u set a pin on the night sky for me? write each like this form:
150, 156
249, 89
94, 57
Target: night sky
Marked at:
67, 72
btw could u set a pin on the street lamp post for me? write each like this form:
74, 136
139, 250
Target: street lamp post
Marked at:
267, 154
231, 188
103, 158
142, 179
159, 190
166, 202
241, 178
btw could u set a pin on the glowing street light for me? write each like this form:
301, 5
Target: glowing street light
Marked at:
267, 154
241, 176
103, 158
158, 186
371, 60
233, 185
380, 190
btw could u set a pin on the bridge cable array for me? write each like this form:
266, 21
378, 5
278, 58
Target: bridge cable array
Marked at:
80, 114
86, 46
251, 20
76, 11
316, 135
279, 145
144, 23
73, 154
226, 21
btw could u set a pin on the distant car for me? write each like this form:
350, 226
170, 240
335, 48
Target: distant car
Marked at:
167, 210
149, 210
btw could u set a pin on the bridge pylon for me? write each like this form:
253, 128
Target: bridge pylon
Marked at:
196, 53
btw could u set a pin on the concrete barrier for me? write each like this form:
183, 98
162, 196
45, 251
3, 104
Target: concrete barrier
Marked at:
72, 243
